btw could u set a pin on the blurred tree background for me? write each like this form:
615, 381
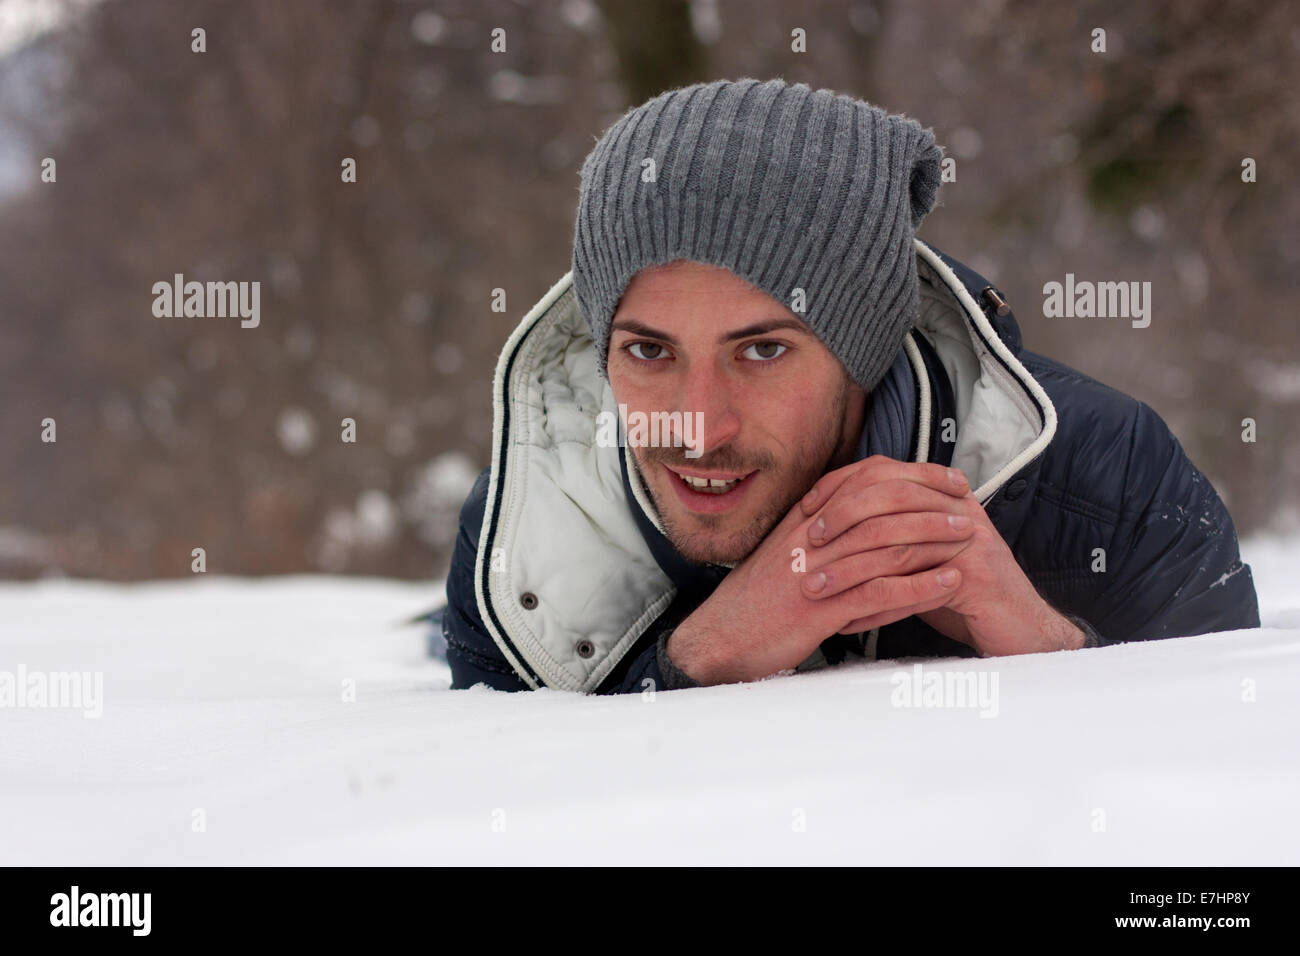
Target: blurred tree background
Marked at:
377, 295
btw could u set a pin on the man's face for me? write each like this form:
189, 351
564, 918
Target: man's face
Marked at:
776, 409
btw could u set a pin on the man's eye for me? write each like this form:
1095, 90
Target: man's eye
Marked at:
764, 351
656, 351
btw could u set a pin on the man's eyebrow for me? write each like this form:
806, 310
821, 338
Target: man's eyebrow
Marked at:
758, 328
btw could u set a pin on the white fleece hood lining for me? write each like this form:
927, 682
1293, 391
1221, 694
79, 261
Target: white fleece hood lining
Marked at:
1005, 418
564, 580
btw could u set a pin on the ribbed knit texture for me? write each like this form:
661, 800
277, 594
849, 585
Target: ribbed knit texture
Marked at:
891, 413
787, 187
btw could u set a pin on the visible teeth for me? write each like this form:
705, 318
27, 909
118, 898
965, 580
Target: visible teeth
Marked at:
713, 486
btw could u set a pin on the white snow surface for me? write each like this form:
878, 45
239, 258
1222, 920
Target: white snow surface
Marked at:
226, 696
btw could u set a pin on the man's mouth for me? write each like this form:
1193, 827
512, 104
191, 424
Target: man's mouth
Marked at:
712, 486
704, 491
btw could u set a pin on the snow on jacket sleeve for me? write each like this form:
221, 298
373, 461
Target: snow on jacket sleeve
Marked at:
1175, 564
474, 657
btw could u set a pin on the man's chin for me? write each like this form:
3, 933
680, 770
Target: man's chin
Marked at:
714, 539
705, 548
702, 539
723, 538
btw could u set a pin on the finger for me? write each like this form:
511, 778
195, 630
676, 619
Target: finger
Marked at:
872, 621
880, 564
890, 530
879, 468
883, 595
853, 505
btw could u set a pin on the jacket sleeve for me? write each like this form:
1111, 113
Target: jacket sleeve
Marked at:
474, 657
1175, 564
652, 669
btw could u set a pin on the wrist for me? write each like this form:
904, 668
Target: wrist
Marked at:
674, 678
1061, 632
687, 651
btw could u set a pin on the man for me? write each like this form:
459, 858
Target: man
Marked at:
862, 459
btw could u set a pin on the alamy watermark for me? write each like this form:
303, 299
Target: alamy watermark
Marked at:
922, 687
76, 908
651, 430
64, 690
1101, 300
212, 300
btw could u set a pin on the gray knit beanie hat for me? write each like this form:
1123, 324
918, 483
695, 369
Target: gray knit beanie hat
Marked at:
787, 187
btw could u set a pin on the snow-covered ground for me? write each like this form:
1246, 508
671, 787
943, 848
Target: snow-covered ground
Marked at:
225, 738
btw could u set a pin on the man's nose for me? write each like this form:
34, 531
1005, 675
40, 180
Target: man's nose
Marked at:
707, 397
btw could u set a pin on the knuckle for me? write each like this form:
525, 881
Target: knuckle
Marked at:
921, 586
891, 493
934, 553
874, 593
866, 534
871, 468
899, 554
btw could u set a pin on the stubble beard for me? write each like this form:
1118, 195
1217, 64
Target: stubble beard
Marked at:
701, 538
